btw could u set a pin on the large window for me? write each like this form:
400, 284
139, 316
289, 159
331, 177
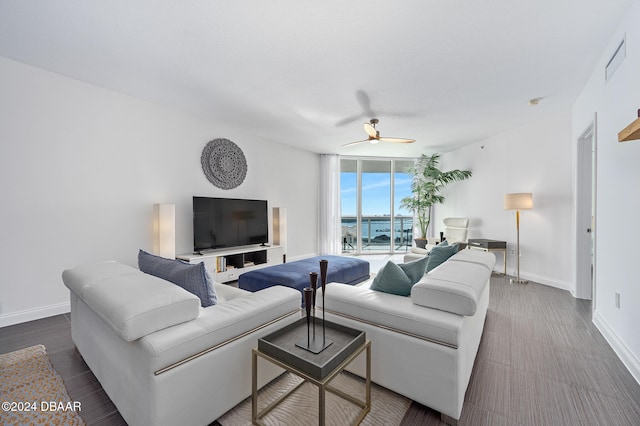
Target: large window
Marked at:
376, 205
403, 218
349, 204
371, 190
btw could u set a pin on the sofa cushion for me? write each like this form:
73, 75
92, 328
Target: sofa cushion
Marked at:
392, 279
457, 284
479, 257
440, 254
132, 303
193, 278
226, 292
387, 310
221, 324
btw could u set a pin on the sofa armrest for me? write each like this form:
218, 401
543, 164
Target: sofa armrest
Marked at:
220, 324
445, 296
131, 302
456, 285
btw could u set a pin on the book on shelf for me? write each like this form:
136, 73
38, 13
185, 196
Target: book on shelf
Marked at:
221, 264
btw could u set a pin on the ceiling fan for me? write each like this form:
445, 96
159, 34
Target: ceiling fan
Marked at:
374, 135
366, 111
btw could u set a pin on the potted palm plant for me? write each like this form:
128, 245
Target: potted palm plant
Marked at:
428, 181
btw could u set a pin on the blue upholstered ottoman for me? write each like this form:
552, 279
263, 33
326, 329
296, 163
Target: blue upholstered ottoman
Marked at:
347, 270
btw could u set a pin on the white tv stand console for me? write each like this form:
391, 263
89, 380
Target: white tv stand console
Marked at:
226, 265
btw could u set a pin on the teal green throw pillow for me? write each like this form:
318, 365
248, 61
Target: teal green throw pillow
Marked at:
415, 270
392, 279
398, 279
439, 254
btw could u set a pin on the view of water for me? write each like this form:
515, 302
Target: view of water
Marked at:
377, 229
376, 187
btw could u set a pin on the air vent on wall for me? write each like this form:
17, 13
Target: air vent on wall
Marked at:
616, 60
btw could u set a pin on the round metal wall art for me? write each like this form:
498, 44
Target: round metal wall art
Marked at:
223, 163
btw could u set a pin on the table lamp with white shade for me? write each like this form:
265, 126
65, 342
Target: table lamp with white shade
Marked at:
164, 230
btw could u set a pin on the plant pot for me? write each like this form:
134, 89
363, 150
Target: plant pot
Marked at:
420, 242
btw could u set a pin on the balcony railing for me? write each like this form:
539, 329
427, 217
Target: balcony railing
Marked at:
376, 235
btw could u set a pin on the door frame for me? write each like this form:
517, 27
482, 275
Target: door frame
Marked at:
586, 168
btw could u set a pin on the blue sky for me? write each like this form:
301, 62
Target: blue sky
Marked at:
375, 193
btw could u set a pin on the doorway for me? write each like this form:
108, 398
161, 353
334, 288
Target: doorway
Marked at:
586, 215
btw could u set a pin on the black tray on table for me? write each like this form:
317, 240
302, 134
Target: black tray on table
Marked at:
281, 345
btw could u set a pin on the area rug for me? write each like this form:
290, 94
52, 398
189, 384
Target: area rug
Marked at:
301, 408
32, 392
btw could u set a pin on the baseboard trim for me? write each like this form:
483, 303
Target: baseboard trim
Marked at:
619, 347
562, 285
34, 314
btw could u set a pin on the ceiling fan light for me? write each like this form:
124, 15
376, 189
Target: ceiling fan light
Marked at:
374, 135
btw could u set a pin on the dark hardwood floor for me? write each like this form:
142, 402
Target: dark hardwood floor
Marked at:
541, 362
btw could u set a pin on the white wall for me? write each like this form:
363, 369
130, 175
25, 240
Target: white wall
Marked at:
81, 168
532, 158
618, 195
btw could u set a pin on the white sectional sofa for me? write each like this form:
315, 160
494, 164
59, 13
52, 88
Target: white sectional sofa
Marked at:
160, 356
424, 345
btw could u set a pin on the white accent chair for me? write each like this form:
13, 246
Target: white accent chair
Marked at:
455, 231
348, 238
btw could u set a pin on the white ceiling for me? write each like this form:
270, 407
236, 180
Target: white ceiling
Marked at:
444, 72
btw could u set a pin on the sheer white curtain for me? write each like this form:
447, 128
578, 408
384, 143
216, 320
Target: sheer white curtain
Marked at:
330, 228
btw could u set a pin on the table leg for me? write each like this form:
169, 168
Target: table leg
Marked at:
254, 387
321, 404
368, 382
504, 257
323, 387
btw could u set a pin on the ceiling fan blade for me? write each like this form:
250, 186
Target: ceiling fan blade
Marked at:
348, 120
397, 140
365, 106
356, 142
365, 103
371, 131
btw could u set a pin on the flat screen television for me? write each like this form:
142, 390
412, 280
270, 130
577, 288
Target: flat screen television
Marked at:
228, 222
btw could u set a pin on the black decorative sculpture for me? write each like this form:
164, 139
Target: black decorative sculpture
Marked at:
313, 280
310, 307
307, 305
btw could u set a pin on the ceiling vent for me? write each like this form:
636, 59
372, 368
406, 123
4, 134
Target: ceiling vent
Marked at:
616, 60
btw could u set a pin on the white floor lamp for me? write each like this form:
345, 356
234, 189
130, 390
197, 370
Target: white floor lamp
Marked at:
518, 201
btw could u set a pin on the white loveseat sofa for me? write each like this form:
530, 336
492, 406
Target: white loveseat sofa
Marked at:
161, 358
423, 346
